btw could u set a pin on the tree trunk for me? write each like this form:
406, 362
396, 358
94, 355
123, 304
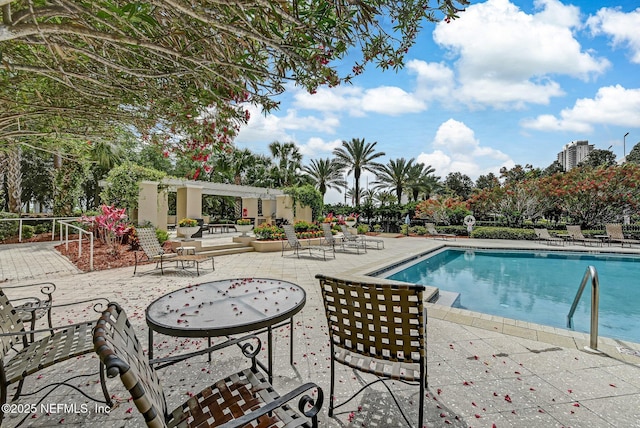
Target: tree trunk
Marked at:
13, 176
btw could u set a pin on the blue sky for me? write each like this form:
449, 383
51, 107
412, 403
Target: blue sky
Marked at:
510, 82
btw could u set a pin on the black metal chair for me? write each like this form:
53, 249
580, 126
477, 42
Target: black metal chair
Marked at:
244, 399
378, 329
20, 358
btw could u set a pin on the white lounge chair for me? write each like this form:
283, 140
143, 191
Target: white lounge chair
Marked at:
431, 228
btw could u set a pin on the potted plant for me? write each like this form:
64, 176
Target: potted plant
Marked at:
350, 221
244, 225
188, 227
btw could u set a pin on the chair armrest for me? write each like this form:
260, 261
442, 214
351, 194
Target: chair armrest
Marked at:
46, 288
45, 330
97, 306
304, 402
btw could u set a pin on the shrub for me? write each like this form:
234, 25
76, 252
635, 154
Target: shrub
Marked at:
377, 228
8, 229
418, 230
268, 232
503, 233
362, 229
162, 236
27, 231
43, 227
305, 226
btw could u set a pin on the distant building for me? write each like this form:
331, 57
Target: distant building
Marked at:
574, 153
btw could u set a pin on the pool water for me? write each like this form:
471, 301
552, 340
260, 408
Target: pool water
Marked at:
538, 287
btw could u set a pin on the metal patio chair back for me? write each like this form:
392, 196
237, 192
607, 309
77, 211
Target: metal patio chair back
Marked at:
377, 328
240, 400
20, 358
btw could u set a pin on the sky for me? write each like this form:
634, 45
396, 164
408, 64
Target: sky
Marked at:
509, 82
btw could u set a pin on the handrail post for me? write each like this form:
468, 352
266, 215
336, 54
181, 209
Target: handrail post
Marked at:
595, 301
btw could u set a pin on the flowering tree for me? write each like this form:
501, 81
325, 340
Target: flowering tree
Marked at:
593, 196
443, 211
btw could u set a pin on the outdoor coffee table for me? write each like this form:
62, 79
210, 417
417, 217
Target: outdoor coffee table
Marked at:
227, 307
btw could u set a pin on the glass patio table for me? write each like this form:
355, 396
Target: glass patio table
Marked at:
227, 307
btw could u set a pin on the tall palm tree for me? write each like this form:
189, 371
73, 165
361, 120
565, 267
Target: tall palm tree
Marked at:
394, 175
325, 174
421, 180
288, 160
356, 156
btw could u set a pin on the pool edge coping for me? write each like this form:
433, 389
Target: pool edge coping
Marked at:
508, 326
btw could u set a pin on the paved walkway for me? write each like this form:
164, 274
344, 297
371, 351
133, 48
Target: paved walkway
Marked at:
484, 371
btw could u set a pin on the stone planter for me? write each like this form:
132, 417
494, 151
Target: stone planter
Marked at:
350, 223
187, 231
244, 228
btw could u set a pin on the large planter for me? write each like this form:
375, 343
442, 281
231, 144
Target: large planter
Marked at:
244, 228
350, 223
187, 231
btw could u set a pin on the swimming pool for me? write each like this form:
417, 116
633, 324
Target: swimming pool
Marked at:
538, 287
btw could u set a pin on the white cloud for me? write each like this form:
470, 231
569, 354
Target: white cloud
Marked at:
357, 101
434, 81
317, 147
273, 127
458, 150
506, 57
612, 105
391, 100
622, 27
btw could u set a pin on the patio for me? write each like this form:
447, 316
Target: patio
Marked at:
483, 370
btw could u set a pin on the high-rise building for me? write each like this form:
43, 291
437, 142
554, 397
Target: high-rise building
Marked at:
574, 153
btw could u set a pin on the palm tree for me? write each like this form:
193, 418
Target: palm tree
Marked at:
421, 180
288, 160
357, 156
325, 174
394, 175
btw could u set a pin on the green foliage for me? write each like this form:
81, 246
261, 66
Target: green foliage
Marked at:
304, 226
362, 229
123, 184
162, 236
377, 228
503, 233
8, 229
418, 230
27, 231
306, 196
43, 227
268, 232
68, 187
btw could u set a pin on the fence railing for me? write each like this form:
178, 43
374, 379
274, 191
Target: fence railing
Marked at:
81, 232
22, 220
65, 224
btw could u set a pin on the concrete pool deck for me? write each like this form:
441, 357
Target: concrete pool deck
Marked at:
483, 370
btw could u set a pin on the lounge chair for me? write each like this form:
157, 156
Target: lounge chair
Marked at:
368, 242
242, 399
543, 235
52, 346
377, 328
331, 241
576, 235
615, 234
294, 244
431, 228
154, 252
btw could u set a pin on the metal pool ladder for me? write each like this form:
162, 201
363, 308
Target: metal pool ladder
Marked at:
592, 273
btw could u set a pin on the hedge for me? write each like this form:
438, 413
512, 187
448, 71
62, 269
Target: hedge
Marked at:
503, 233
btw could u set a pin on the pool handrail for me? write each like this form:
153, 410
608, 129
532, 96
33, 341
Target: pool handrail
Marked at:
592, 273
